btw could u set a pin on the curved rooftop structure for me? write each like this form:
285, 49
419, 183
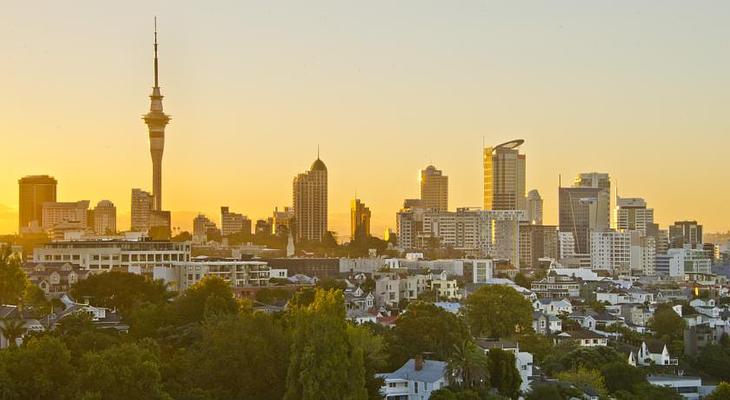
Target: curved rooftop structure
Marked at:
512, 144
318, 165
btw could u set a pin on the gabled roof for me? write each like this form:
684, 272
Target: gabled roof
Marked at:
431, 372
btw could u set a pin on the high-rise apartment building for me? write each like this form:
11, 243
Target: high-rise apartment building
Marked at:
504, 177
409, 224
359, 219
156, 121
611, 251
632, 214
33, 192
55, 213
434, 189
104, 218
309, 199
581, 211
142, 206
232, 223
685, 233
534, 207
536, 242
201, 226
643, 253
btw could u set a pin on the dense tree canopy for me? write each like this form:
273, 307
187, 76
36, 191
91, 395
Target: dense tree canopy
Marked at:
497, 311
120, 290
12, 278
425, 328
503, 373
666, 323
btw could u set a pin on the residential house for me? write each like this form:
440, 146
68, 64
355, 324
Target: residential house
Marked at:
54, 278
653, 353
392, 288
546, 324
553, 307
556, 287
415, 380
688, 386
582, 337
444, 287
11, 312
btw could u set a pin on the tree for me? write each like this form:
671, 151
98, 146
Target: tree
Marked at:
538, 345
321, 363
619, 376
721, 392
239, 357
564, 359
191, 306
13, 329
120, 290
127, 371
544, 392
522, 280
468, 366
666, 324
584, 379
714, 360
374, 356
35, 302
425, 328
13, 280
497, 311
41, 369
503, 373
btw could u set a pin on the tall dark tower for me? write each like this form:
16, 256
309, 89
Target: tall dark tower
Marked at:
156, 121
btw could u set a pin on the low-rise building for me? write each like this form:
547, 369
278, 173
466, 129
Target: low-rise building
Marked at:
236, 273
415, 380
556, 287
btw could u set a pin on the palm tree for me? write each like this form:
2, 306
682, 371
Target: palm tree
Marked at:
467, 366
12, 329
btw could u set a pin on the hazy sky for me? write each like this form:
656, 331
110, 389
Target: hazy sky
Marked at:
638, 89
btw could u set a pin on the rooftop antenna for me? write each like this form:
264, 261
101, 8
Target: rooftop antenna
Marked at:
317, 151
560, 180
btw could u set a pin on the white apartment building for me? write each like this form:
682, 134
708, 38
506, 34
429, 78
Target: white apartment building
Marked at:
610, 250
482, 270
390, 289
643, 253
686, 260
236, 273
566, 242
135, 256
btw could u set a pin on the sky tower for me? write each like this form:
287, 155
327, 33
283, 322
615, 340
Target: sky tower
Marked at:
156, 121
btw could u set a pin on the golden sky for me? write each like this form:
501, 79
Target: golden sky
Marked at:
639, 90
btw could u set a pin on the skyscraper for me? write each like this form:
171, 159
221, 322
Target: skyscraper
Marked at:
534, 207
597, 180
156, 121
434, 189
105, 218
581, 211
632, 214
142, 204
685, 233
309, 197
359, 219
33, 192
504, 177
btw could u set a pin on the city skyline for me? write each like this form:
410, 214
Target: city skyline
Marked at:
209, 126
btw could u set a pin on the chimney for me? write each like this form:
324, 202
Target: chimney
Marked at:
419, 362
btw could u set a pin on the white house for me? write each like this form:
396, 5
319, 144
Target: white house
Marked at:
654, 354
553, 307
415, 380
583, 338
